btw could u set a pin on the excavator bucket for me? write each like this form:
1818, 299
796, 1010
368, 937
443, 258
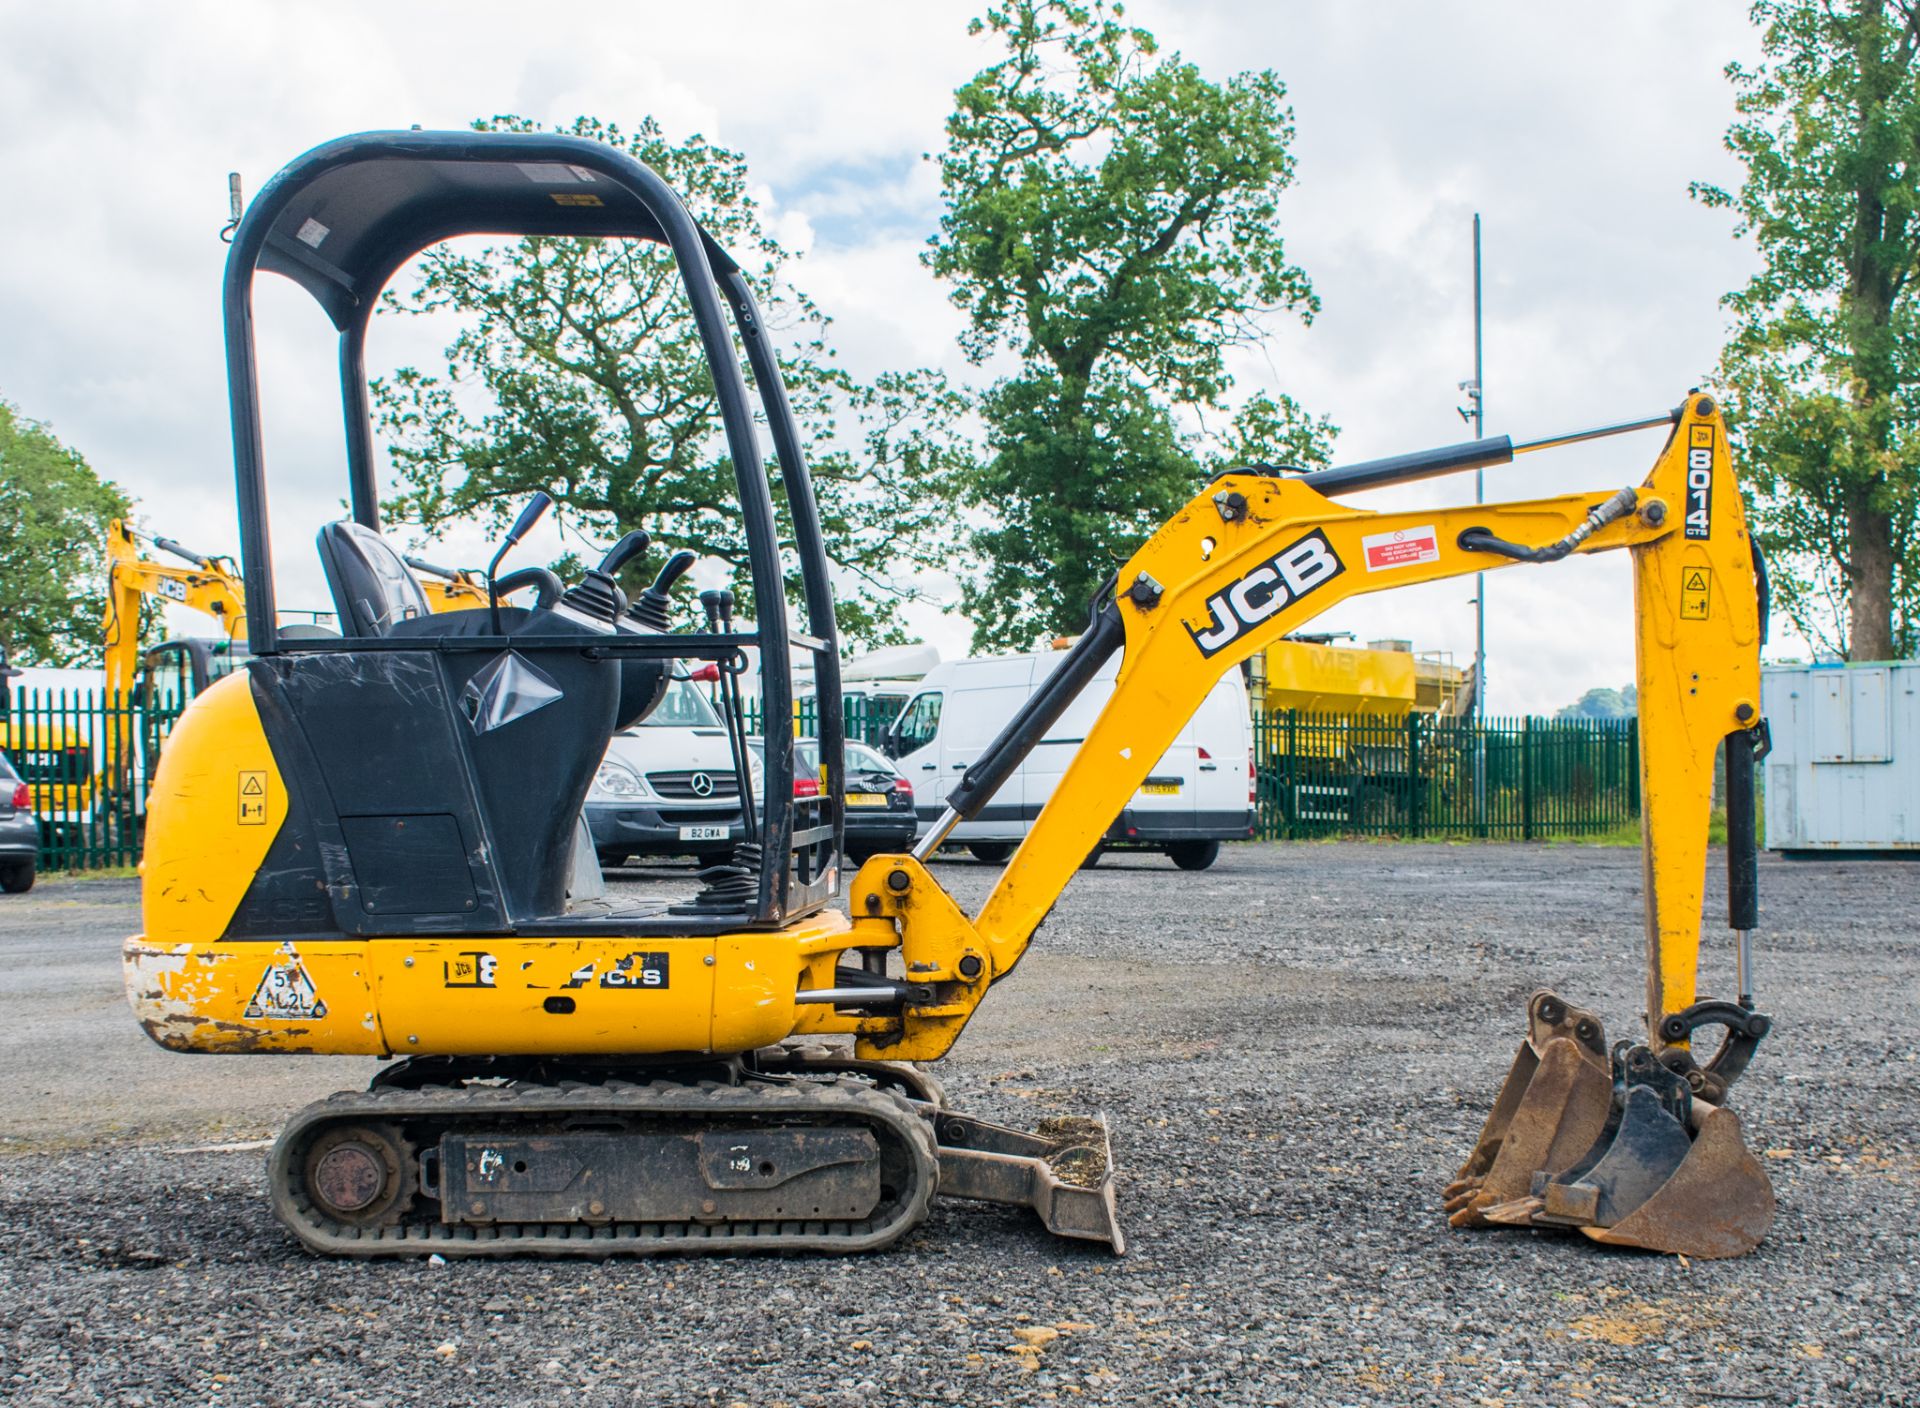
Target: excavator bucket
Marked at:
1550, 1110
1668, 1173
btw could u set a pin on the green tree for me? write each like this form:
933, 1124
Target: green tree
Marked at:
1822, 369
577, 369
1603, 703
1111, 219
54, 512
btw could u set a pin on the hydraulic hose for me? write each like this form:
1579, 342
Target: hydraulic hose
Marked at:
1483, 540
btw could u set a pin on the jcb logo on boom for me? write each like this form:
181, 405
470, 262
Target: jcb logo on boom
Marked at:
1700, 483
1290, 574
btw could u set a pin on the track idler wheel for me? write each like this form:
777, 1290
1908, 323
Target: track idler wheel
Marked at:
1550, 1110
1669, 1173
360, 1175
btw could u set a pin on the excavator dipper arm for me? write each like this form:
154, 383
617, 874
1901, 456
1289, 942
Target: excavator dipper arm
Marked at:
1254, 557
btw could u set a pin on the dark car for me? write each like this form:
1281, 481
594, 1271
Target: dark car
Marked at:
877, 800
19, 831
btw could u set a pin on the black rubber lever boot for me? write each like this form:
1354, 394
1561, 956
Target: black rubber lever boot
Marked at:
654, 609
596, 595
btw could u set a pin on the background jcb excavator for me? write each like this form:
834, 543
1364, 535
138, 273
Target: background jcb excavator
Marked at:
619, 1077
180, 667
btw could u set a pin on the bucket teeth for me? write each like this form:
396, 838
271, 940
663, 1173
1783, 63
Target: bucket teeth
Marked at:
1662, 1169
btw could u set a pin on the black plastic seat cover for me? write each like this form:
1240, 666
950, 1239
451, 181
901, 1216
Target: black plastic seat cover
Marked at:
371, 585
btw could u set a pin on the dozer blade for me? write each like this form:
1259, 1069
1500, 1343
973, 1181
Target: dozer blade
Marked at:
1063, 1171
1551, 1108
1650, 1180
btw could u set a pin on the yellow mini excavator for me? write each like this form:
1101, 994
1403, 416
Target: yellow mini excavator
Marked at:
360, 845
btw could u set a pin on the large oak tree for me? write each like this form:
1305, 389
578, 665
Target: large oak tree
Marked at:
576, 368
1822, 370
1112, 219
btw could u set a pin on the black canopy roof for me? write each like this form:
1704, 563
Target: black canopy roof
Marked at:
345, 216
342, 218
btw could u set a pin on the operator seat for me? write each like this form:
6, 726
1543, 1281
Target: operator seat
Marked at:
446, 783
371, 585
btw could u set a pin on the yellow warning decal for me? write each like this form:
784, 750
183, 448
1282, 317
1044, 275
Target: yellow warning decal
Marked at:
1695, 593
253, 798
575, 198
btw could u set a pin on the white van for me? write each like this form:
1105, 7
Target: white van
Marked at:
667, 786
1198, 795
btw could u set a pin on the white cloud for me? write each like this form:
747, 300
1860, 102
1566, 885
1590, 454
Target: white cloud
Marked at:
1573, 129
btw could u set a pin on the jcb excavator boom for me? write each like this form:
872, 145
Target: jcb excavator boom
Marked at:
211, 585
361, 846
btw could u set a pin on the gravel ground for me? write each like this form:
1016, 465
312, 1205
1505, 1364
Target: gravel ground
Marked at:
1294, 1049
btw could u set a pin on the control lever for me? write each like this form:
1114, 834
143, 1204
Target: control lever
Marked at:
420, 564
718, 604
596, 595
536, 508
624, 551
653, 609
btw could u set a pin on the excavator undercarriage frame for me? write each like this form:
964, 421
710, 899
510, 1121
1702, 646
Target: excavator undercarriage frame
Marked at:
628, 1082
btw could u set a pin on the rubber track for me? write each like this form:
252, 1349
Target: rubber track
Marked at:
485, 1109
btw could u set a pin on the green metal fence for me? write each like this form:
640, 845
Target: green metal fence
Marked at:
87, 761
865, 719
1515, 779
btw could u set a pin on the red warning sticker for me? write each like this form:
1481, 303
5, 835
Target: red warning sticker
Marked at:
1403, 547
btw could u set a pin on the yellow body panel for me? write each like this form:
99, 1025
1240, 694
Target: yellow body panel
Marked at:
478, 994
216, 805
316, 996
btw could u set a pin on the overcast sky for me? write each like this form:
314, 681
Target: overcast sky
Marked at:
1573, 129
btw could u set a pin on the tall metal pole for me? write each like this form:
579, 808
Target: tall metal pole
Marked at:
1479, 392
1479, 488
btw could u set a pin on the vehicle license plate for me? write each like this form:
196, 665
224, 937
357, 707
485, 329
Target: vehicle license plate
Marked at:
866, 799
703, 833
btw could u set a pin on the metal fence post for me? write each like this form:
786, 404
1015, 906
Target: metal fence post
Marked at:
1289, 783
1633, 767
1526, 779
1415, 791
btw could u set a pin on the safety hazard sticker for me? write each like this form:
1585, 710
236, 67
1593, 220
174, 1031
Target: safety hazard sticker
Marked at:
1696, 592
1403, 547
253, 798
287, 993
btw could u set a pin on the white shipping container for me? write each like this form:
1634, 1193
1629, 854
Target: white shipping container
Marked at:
1844, 774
